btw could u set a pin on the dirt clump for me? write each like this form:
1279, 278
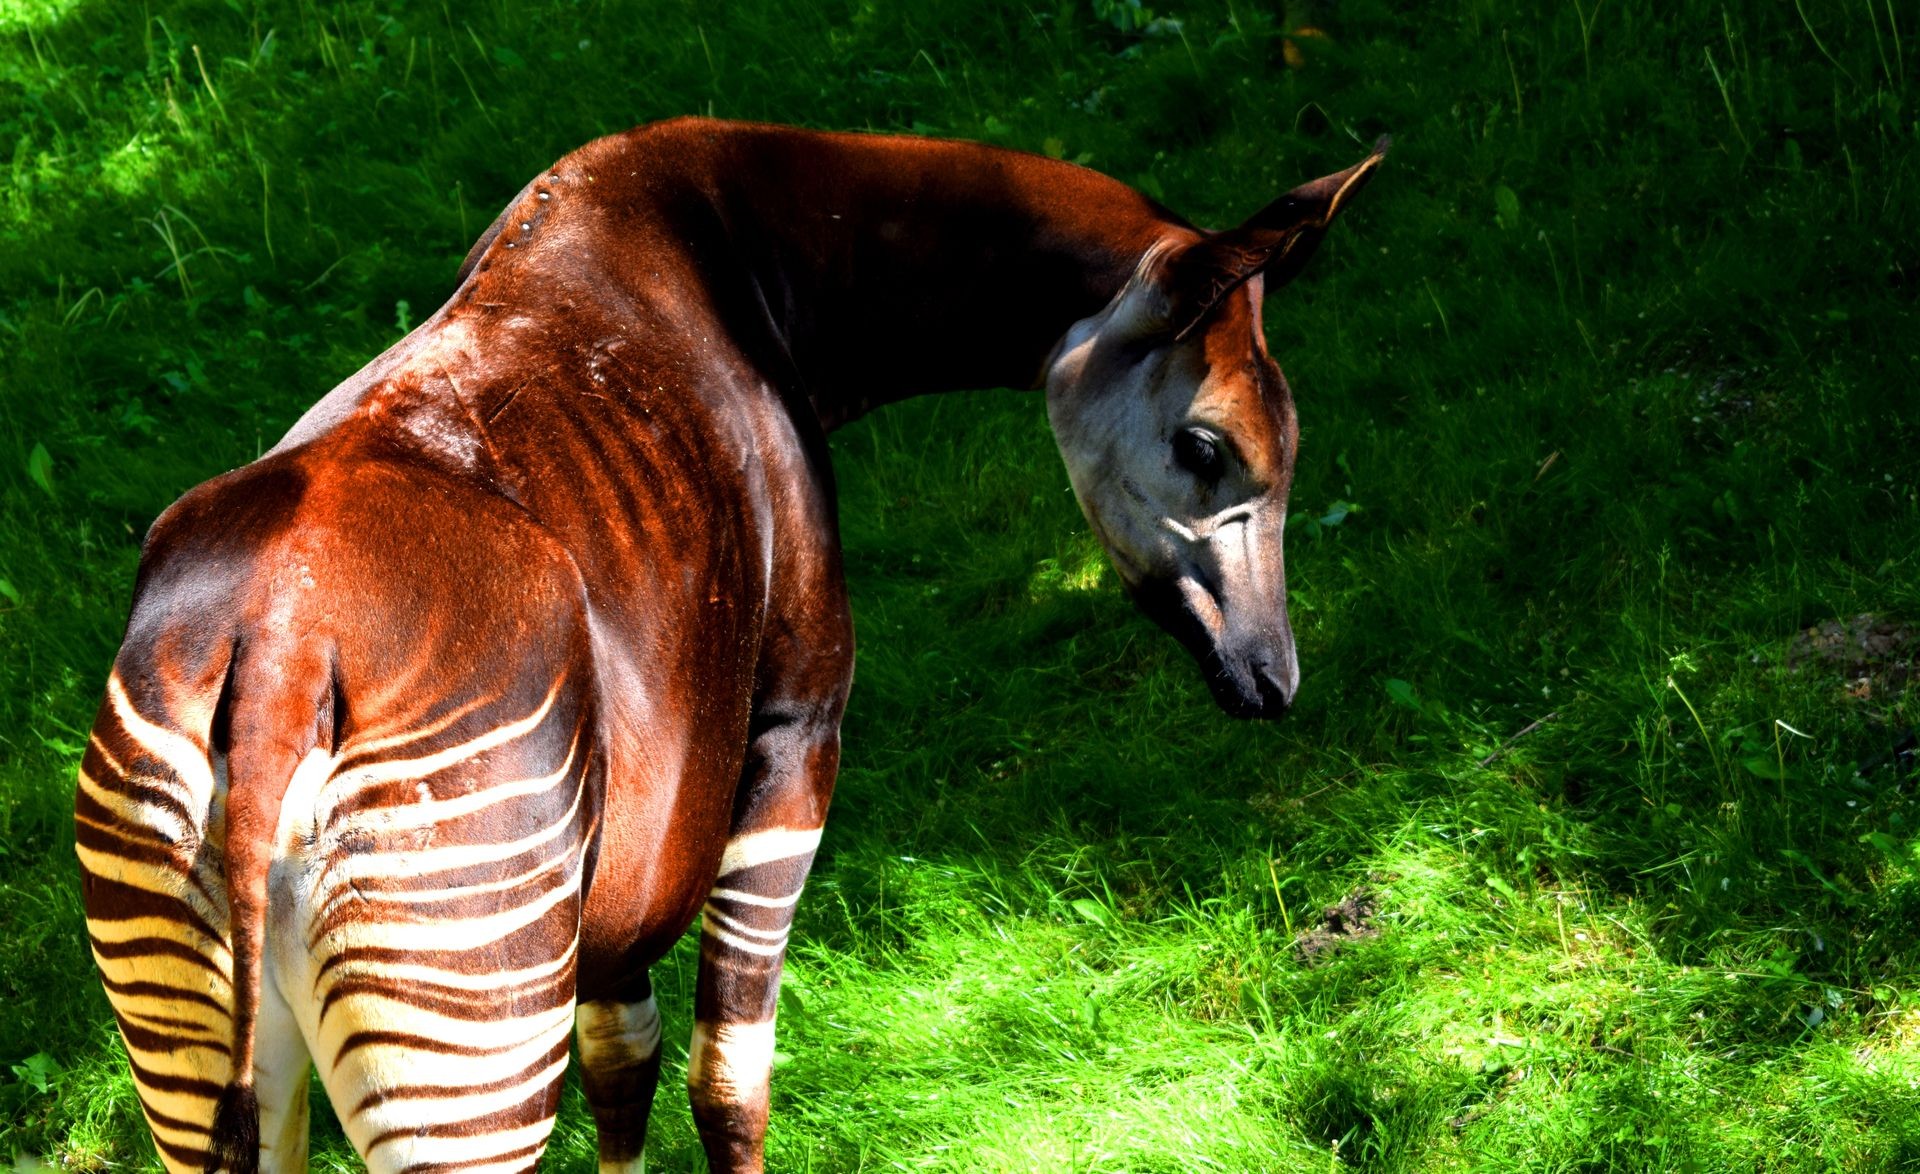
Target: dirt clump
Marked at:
1350, 920
1874, 655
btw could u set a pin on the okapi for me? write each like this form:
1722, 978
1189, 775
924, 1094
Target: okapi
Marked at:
435, 727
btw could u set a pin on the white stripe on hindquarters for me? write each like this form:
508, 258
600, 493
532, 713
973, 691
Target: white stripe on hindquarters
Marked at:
369, 774
478, 1153
189, 763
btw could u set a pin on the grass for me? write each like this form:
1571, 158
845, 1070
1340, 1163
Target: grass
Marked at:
1608, 387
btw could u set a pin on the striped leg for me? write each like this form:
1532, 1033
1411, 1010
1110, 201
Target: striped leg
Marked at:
619, 1070
440, 903
149, 828
743, 941
281, 1066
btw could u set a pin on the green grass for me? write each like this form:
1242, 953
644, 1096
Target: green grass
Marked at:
1608, 387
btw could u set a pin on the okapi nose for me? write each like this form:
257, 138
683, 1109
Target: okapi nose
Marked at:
1277, 685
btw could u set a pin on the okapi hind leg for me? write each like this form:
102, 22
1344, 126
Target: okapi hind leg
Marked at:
281, 1066
180, 1109
439, 1059
440, 915
619, 1042
148, 830
180, 1115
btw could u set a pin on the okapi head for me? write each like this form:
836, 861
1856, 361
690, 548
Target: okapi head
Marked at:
1179, 435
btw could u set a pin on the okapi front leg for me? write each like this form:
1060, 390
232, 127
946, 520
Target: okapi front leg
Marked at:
744, 929
619, 1070
743, 942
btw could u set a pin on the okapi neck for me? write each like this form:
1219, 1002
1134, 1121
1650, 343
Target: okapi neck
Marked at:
855, 270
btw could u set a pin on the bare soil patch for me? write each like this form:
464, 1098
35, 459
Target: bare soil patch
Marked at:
1874, 655
1350, 920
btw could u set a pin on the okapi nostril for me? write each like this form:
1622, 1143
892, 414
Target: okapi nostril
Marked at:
1276, 692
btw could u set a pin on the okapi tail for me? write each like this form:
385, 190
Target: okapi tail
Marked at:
234, 1144
273, 712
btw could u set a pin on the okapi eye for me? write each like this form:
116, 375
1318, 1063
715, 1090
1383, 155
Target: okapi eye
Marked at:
1198, 454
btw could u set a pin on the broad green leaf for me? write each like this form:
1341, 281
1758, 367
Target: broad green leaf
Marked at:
37, 1071
1890, 847
40, 468
1506, 207
792, 1006
1092, 910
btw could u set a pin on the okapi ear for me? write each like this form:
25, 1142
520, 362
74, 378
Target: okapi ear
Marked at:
1277, 240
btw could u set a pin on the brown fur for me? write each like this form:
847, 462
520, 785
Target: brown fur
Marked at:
596, 481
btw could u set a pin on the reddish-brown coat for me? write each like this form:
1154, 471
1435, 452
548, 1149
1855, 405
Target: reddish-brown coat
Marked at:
599, 474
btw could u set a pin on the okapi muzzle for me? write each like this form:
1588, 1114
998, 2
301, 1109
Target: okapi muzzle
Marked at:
1230, 613
1179, 434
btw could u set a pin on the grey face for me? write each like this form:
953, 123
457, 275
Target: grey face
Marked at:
1181, 454
1179, 436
